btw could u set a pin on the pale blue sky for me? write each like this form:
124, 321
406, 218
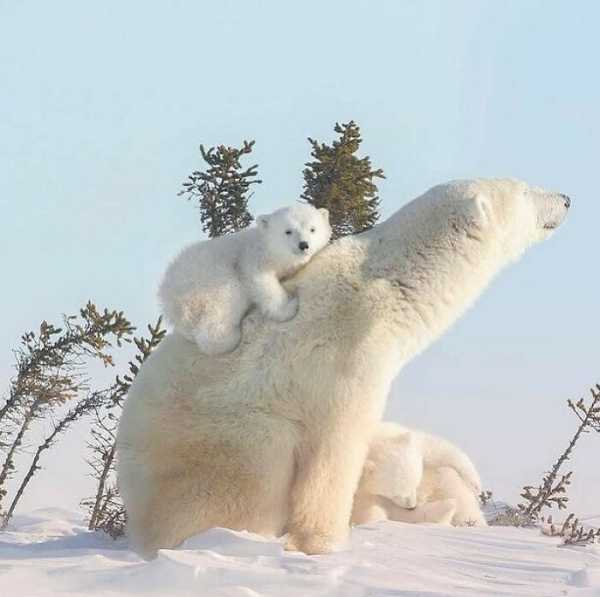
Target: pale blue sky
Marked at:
103, 106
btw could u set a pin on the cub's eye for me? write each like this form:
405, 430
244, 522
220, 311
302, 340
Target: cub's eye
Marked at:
313, 229
288, 232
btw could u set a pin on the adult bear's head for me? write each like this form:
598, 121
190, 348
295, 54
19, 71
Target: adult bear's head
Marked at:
514, 213
506, 214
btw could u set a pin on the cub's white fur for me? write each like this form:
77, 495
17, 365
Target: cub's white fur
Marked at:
414, 476
273, 437
211, 285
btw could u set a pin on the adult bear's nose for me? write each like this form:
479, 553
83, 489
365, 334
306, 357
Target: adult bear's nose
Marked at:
303, 245
567, 200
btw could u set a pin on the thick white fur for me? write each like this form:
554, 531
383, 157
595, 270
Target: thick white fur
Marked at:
414, 476
273, 436
212, 284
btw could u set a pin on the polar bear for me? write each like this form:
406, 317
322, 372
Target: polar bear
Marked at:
211, 285
412, 476
272, 437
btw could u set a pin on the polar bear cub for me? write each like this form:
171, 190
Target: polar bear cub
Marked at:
412, 476
211, 285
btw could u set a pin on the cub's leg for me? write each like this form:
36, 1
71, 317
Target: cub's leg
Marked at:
440, 512
367, 508
218, 339
272, 299
449, 484
217, 330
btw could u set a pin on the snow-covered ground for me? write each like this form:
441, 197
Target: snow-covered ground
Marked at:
49, 552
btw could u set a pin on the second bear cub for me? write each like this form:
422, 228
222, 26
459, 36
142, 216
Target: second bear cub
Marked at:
211, 285
412, 476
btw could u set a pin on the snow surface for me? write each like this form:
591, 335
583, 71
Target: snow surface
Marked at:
49, 552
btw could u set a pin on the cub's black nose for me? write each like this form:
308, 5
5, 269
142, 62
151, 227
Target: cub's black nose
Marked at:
303, 245
567, 200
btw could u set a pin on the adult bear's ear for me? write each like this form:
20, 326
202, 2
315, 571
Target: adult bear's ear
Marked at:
262, 221
484, 210
324, 213
474, 214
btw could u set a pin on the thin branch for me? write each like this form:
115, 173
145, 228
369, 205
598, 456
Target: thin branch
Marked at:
81, 408
50, 372
106, 511
553, 489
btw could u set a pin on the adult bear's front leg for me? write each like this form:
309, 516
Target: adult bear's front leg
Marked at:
328, 471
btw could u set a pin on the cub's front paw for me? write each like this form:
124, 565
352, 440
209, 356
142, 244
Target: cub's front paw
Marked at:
440, 512
286, 311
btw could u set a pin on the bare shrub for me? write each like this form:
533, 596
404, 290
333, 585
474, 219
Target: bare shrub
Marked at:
572, 531
552, 491
51, 371
105, 509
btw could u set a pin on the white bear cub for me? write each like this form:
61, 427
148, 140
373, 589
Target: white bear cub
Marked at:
211, 285
412, 476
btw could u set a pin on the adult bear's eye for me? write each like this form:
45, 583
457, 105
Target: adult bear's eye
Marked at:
288, 232
313, 229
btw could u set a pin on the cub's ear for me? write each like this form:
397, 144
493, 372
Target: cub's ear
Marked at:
262, 221
324, 213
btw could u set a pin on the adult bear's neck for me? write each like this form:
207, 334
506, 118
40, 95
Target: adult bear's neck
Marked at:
413, 286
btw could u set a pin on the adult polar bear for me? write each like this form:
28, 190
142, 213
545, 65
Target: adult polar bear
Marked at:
272, 437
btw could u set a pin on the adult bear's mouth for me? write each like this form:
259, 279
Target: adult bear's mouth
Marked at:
554, 210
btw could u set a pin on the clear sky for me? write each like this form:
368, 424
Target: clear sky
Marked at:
103, 106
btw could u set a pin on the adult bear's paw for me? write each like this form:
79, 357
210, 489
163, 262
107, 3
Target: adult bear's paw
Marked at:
313, 543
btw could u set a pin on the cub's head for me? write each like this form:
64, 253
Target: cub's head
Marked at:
294, 234
394, 469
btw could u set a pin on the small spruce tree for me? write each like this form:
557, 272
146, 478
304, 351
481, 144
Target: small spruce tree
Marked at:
222, 190
342, 182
